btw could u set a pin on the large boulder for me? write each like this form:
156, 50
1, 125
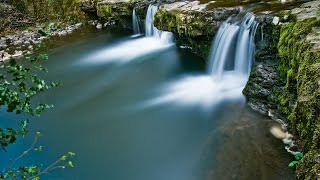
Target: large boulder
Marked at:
194, 24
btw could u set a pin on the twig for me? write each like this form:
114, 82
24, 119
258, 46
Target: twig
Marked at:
49, 168
22, 155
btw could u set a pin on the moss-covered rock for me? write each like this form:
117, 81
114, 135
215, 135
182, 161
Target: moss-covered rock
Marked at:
120, 11
192, 23
297, 59
264, 75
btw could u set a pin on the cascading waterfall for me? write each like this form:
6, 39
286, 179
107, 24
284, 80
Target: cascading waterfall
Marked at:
154, 42
152, 31
135, 23
234, 44
229, 67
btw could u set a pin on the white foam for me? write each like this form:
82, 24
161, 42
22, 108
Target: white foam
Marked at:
201, 90
126, 51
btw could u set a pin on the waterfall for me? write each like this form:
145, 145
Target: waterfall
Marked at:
135, 23
151, 31
230, 62
233, 46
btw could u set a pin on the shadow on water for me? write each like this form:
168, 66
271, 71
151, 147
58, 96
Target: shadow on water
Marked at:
100, 114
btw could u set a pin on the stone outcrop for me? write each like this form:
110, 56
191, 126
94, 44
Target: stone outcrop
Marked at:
193, 23
289, 80
120, 11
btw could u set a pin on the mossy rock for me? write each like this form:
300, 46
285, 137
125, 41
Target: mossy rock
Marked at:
120, 11
299, 99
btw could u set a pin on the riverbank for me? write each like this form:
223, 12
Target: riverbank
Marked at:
21, 34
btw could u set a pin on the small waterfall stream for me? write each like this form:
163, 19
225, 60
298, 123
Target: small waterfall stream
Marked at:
135, 23
233, 44
152, 31
230, 62
136, 46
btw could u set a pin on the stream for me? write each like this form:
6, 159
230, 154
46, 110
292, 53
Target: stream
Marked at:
140, 108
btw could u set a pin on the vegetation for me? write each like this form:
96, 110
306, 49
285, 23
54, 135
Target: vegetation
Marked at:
19, 84
20, 14
299, 99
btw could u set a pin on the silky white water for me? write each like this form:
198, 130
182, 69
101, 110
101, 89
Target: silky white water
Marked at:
134, 47
152, 31
233, 44
135, 23
229, 67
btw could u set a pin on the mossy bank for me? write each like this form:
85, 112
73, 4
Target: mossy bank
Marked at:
286, 76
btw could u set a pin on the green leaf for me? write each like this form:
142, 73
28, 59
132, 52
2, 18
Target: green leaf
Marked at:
70, 164
71, 154
298, 156
293, 163
63, 158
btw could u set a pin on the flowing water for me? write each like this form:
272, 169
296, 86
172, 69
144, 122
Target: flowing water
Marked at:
142, 109
135, 23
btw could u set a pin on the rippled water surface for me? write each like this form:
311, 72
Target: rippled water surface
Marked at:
138, 109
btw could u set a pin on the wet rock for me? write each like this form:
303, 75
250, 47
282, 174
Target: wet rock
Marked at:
292, 53
192, 18
193, 23
4, 56
276, 20
17, 54
120, 11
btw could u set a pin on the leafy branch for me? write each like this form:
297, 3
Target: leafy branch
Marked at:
18, 85
33, 172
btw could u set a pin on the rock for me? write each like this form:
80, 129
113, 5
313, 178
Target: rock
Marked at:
276, 20
62, 33
286, 77
193, 23
120, 11
307, 10
4, 56
192, 18
17, 54
278, 132
99, 26
78, 25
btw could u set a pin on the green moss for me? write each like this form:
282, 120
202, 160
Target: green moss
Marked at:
191, 23
299, 99
191, 29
